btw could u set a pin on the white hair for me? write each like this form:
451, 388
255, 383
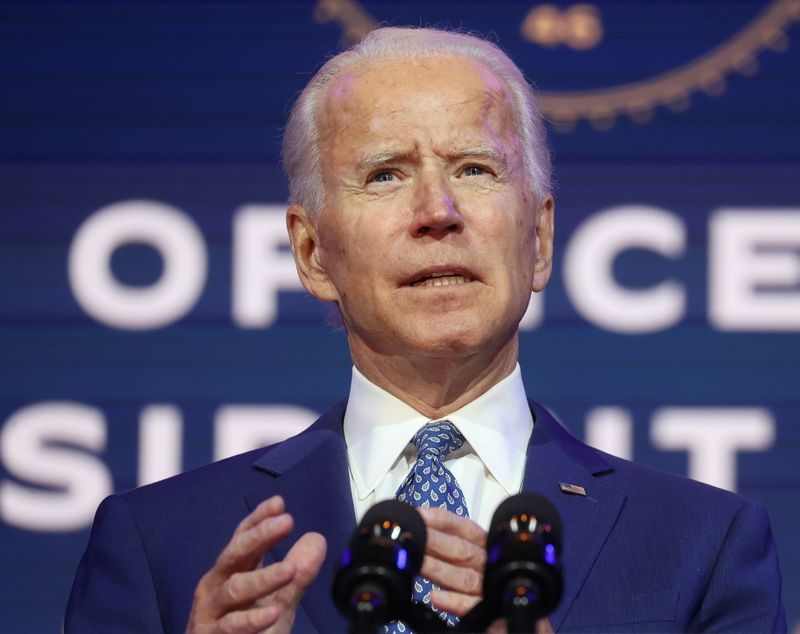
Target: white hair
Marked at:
301, 155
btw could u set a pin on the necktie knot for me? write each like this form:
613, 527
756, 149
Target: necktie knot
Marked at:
438, 439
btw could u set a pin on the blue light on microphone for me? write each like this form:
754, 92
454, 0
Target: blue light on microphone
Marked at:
550, 554
402, 558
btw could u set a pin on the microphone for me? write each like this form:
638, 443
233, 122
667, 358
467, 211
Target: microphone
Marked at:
374, 582
522, 580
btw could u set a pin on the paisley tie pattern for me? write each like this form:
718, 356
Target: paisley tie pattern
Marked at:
431, 484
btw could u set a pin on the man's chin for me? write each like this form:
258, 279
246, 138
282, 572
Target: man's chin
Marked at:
450, 343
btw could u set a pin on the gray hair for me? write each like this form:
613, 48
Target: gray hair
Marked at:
300, 153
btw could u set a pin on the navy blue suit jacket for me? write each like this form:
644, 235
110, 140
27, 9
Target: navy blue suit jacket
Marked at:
644, 551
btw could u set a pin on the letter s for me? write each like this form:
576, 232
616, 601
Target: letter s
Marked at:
70, 483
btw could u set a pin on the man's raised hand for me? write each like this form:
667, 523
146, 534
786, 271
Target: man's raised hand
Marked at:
238, 595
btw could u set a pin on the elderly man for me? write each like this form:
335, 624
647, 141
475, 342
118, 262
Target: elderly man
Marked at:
421, 206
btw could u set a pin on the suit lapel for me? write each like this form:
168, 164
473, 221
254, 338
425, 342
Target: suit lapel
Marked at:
554, 457
310, 471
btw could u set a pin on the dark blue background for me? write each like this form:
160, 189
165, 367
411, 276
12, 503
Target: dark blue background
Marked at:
184, 103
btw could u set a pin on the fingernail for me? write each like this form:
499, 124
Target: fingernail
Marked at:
279, 521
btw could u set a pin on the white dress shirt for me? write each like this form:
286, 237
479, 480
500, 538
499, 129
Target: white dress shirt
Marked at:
489, 466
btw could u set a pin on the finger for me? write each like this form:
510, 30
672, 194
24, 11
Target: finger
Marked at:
246, 548
249, 621
452, 524
307, 555
455, 550
242, 588
450, 577
268, 508
543, 626
453, 602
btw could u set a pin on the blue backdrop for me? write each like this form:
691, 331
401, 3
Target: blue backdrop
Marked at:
150, 320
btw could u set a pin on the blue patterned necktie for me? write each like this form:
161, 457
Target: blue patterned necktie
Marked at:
431, 484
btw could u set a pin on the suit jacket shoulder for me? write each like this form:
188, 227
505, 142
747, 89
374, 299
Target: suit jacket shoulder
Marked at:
651, 551
149, 547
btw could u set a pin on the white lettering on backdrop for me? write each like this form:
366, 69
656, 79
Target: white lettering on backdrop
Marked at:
166, 229
57, 479
753, 276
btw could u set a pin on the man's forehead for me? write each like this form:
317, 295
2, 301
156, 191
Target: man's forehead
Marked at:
445, 63
396, 109
382, 88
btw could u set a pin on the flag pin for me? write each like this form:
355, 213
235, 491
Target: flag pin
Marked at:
572, 489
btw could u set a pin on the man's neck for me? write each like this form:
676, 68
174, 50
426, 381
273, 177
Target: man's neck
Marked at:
437, 386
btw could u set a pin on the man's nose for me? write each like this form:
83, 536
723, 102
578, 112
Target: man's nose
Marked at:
435, 208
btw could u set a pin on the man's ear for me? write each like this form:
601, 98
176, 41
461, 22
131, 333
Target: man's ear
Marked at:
544, 244
308, 256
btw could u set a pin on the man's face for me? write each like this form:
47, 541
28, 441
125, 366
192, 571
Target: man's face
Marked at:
428, 235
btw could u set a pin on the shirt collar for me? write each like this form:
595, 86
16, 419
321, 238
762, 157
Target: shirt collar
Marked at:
378, 426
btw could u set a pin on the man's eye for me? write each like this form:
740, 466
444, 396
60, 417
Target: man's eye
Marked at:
474, 170
382, 177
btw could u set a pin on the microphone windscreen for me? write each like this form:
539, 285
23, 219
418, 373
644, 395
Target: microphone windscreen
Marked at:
396, 511
374, 582
528, 504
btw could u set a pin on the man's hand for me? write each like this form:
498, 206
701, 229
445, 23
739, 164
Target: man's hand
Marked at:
239, 596
454, 560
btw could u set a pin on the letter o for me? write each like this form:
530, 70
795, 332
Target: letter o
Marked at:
166, 229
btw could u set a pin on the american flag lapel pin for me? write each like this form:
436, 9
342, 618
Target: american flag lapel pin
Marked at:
571, 489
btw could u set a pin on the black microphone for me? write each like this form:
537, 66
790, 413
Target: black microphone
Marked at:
374, 582
522, 580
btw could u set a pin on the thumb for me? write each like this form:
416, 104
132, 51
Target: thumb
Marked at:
307, 555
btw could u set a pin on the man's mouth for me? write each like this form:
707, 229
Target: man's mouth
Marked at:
442, 278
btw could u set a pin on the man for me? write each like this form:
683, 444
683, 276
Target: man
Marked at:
421, 206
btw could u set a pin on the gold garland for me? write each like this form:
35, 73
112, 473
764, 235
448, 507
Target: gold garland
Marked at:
636, 100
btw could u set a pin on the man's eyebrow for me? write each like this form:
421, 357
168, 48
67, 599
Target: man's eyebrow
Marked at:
485, 152
373, 160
